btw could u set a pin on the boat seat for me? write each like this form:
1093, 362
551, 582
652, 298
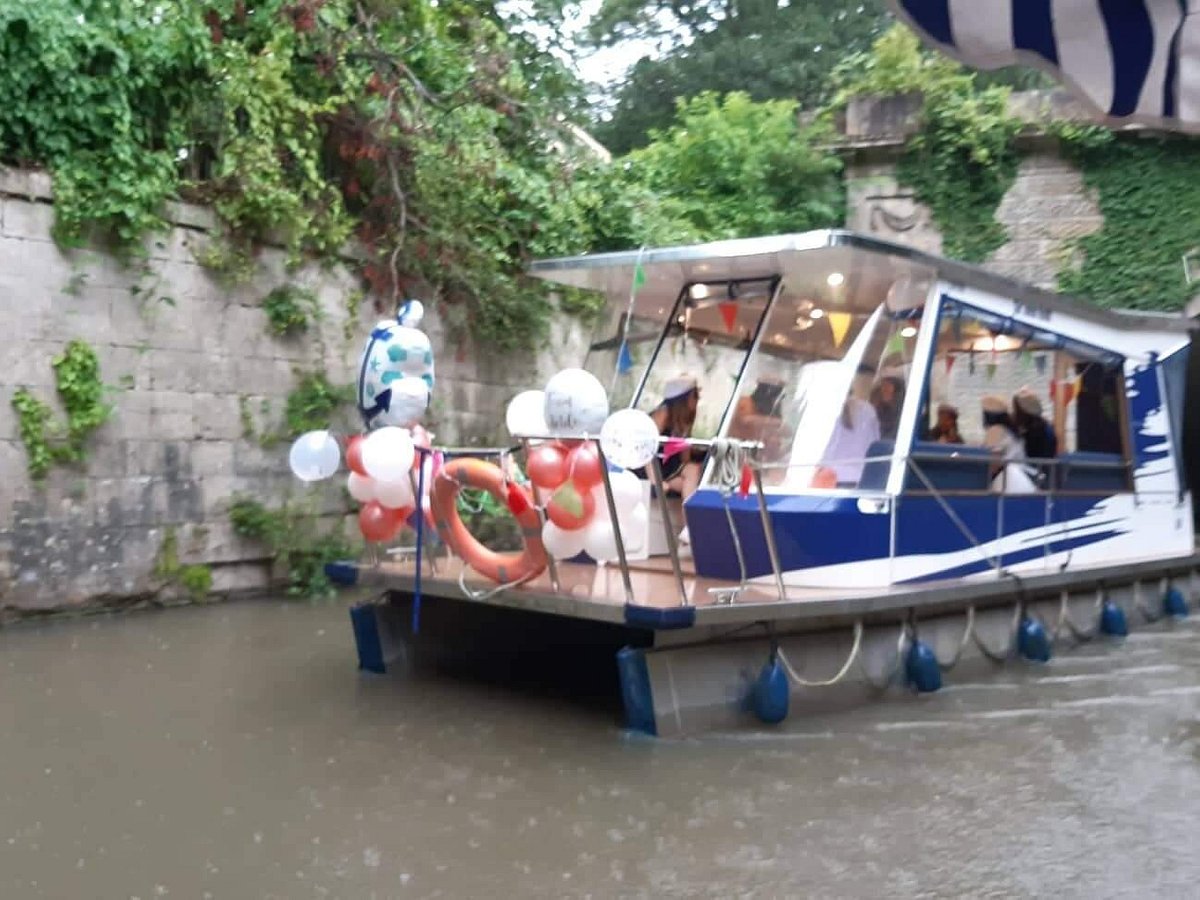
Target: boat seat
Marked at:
1100, 473
875, 472
950, 467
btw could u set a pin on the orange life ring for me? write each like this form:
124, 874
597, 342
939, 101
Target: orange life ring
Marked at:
503, 568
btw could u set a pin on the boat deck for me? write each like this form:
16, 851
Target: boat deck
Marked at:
598, 593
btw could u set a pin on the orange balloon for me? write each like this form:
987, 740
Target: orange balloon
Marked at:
547, 467
585, 467
354, 455
378, 523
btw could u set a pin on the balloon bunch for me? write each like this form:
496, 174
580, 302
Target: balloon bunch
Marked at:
384, 472
570, 470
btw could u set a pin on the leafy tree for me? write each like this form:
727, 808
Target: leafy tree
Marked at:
759, 47
729, 167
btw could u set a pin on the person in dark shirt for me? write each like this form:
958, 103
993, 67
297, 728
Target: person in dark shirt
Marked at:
888, 399
1038, 435
946, 430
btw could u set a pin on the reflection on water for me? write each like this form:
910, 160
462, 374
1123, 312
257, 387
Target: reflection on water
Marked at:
235, 752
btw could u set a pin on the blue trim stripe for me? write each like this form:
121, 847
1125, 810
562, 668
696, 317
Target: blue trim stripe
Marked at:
933, 16
1131, 40
1033, 29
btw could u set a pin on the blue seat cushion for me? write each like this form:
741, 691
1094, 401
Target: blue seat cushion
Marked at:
1100, 473
950, 467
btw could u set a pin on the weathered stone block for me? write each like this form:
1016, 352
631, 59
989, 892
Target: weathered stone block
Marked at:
27, 221
241, 578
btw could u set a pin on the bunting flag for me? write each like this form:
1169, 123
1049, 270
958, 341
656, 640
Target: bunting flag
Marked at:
1131, 61
950, 360
991, 370
639, 279
624, 359
839, 324
746, 481
971, 362
729, 311
1054, 390
1040, 362
957, 326
894, 345
1024, 357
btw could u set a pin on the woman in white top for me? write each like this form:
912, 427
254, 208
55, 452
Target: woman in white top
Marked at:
1000, 436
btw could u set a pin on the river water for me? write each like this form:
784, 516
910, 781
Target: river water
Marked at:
234, 751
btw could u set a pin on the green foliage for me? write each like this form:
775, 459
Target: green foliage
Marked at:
196, 579
1140, 184
962, 161
295, 539
729, 167
48, 441
289, 308
770, 51
313, 404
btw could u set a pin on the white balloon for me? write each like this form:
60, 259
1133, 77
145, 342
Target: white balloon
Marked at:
562, 544
629, 438
411, 312
627, 494
314, 456
361, 487
576, 404
600, 541
634, 528
387, 454
396, 494
525, 416
410, 398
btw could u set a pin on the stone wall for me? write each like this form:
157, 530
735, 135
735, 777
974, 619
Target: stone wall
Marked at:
192, 363
1045, 211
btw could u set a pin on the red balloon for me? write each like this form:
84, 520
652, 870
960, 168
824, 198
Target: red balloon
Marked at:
585, 467
354, 455
378, 523
547, 466
571, 513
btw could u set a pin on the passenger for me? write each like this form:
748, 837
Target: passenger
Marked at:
856, 429
1009, 476
1038, 435
888, 400
675, 418
946, 431
756, 417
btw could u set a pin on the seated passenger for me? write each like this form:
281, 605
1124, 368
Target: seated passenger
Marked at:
856, 429
1000, 436
1037, 433
756, 417
888, 400
946, 430
675, 417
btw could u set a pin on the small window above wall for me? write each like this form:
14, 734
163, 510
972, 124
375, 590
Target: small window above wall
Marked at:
1026, 394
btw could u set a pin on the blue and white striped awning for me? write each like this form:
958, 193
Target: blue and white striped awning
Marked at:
1134, 61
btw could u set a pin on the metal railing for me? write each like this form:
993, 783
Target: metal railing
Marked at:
728, 456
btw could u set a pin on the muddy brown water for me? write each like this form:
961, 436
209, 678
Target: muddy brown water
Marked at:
234, 751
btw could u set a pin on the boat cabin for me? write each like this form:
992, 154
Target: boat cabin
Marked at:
914, 418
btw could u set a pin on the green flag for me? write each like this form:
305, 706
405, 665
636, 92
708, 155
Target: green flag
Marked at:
639, 277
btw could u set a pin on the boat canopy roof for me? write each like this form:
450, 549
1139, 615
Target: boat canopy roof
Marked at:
803, 261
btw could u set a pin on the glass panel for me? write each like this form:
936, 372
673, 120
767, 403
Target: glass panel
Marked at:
1027, 395
824, 392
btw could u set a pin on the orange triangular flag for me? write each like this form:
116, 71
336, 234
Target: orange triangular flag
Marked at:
729, 314
839, 324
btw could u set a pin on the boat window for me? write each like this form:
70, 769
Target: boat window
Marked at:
1063, 402
824, 392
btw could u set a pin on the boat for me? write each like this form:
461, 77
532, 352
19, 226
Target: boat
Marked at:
908, 465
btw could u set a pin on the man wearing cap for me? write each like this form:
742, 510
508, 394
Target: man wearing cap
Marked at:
1038, 435
675, 417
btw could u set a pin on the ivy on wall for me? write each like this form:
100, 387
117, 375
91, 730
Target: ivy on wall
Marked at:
49, 441
1149, 193
962, 161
